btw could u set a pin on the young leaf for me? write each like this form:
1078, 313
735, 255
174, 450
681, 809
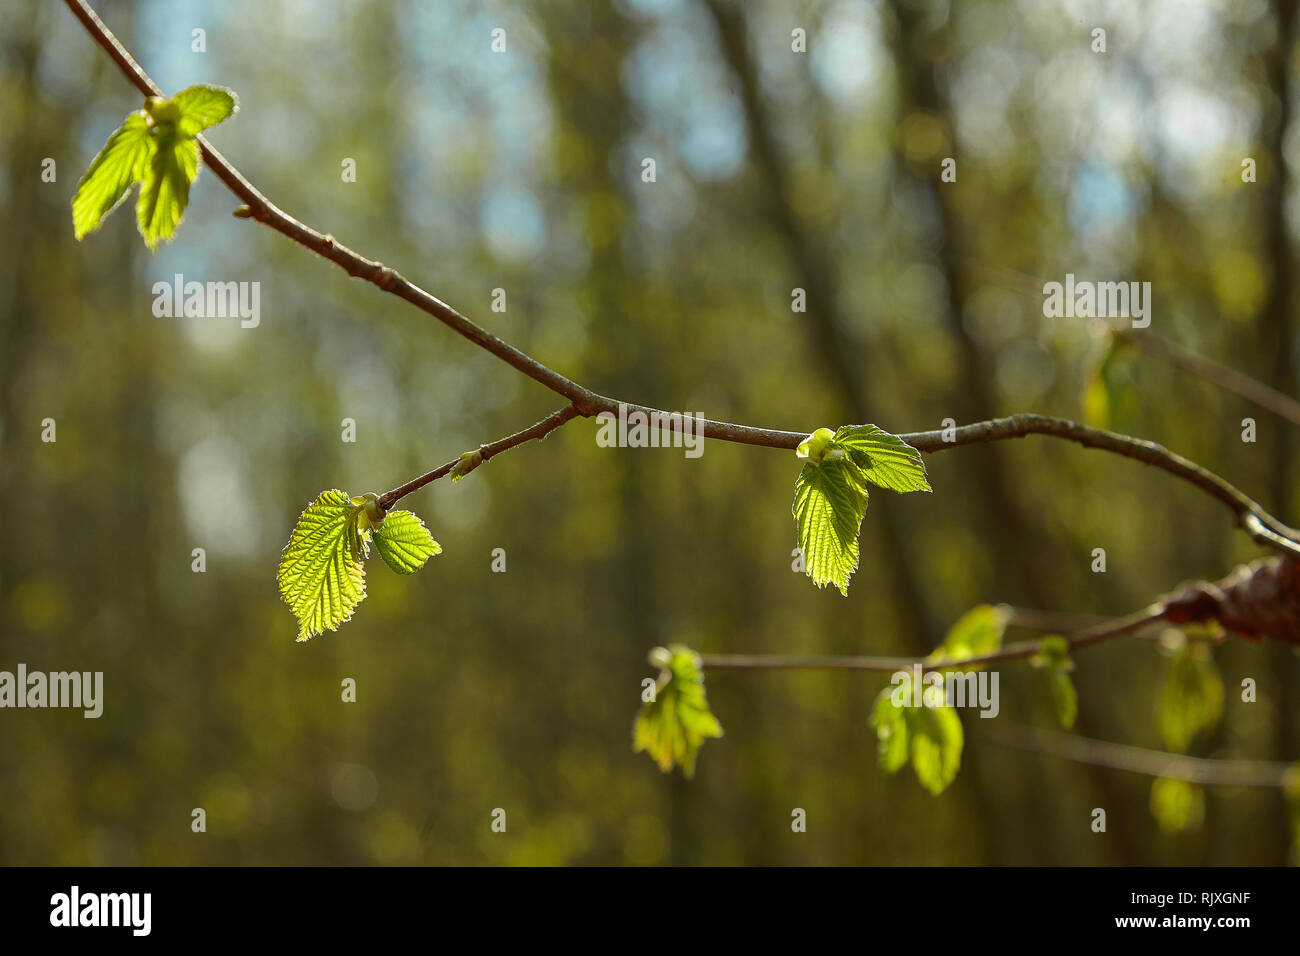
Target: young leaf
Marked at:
930, 735
119, 166
1054, 658
890, 723
886, 460
830, 494
672, 727
830, 501
203, 106
404, 542
1192, 697
321, 576
165, 191
936, 738
977, 633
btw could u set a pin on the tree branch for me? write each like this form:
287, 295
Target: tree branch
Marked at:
1096, 634
1261, 526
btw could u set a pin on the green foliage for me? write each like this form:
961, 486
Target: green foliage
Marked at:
155, 147
404, 542
830, 494
1191, 699
930, 735
165, 191
203, 106
1177, 805
977, 633
1053, 658
673, 726
886, 460
322, 576
830, 502
466, 463
119, 166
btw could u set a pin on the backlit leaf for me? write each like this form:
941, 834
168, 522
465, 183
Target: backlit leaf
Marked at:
321, 576
672, 727
404, 542
120, 164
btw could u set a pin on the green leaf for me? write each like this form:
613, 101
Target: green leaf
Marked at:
886, 460
930, 735
1192, 697
830, 494
1054, 658
977, 633
830, 502
890, 723
166, 187
203, 106
120, 164
404, 542
672, 727
321, 576
1064, 697
1177, 805
936, 737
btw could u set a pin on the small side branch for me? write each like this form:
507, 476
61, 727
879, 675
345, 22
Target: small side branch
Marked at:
537, 431
1119, 627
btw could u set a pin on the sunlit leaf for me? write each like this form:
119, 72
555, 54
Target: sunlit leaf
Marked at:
321, 576
936, 745
120, 164
886, 460
404, 542
672, 727
203, 106
930, 735
830, 501
165, 191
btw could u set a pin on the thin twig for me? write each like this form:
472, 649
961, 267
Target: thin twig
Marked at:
1152, 763
1119, 627
1262, 527
538, 431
